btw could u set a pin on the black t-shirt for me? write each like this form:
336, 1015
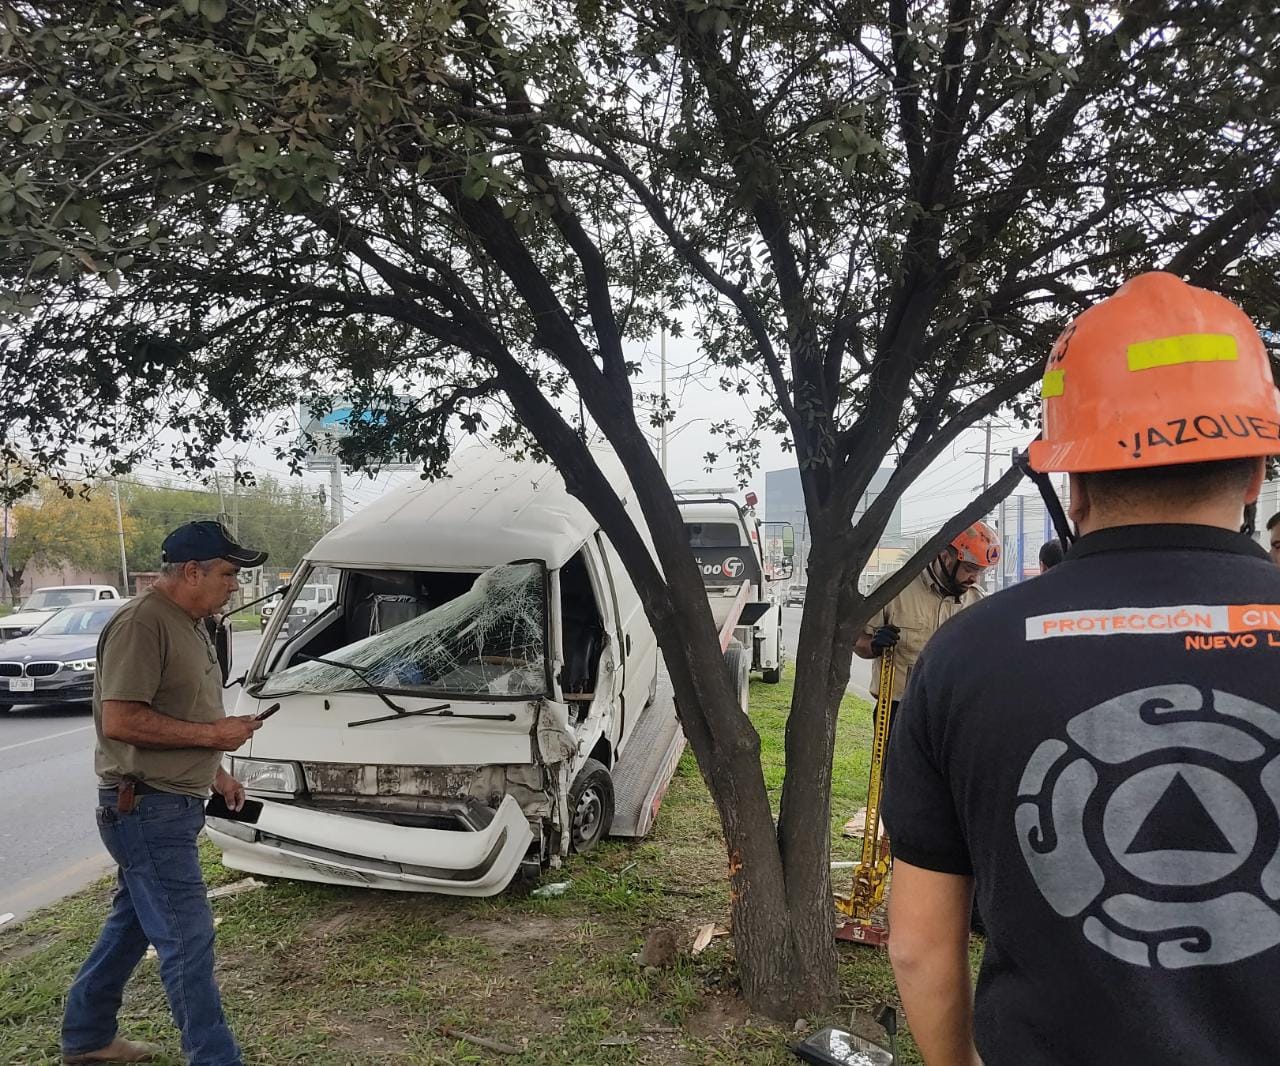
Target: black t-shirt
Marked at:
1100, 748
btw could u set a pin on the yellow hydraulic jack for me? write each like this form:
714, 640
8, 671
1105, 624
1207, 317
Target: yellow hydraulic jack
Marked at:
873, 869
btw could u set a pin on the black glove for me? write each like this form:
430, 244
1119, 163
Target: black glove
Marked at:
884, 638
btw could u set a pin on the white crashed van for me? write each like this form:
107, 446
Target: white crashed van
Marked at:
481, 695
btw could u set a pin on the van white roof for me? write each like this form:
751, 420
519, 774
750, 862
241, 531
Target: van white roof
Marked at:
490, 510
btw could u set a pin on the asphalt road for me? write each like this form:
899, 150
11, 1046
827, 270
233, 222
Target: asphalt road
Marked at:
860, 673
49, 845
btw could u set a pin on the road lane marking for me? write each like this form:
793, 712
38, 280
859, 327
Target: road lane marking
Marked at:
51, 736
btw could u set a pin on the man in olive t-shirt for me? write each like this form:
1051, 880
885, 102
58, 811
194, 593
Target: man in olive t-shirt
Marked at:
157, 708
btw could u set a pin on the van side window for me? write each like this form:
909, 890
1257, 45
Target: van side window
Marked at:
584, 632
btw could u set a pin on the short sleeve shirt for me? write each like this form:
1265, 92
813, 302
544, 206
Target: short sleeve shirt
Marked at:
153, 652
918, 611
1100, 749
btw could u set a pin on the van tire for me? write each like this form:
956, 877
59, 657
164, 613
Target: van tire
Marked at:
771, 677
590, 807
738, 660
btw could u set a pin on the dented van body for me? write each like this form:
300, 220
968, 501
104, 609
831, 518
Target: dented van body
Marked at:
480, 697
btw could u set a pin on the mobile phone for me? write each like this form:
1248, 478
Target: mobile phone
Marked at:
217, 808
262, 716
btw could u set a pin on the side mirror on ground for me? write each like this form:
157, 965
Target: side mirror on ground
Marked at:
837, 1047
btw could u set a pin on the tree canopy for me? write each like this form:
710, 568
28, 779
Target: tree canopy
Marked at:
54, 528
876, 214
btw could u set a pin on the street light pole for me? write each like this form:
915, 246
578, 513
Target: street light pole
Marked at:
124, 559
662, 440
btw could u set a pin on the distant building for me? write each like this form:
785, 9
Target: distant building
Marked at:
784, 502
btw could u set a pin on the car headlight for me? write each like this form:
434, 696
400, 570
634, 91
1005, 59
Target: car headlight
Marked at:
82, 665
265, 775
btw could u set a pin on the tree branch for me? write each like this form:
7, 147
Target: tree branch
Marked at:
887, 590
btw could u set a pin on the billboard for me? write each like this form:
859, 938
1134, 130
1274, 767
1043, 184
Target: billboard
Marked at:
322, 431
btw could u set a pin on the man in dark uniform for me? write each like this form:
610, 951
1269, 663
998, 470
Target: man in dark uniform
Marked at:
1099, 750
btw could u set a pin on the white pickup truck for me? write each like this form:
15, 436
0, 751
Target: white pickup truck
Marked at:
481, 694
45, 601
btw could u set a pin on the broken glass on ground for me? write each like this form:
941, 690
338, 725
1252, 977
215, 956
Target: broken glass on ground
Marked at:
489, 641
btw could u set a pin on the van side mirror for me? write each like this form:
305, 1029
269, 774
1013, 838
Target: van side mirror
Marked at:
219, 630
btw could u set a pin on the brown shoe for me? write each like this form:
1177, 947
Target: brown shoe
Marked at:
119, 1050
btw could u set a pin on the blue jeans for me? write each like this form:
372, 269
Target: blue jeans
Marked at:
160, 899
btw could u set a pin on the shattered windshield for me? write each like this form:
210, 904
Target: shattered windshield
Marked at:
489, 641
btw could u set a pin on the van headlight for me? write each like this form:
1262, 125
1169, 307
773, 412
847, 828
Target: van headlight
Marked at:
265, 775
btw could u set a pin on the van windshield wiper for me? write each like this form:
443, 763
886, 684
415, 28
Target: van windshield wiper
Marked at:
441, 710
369, 683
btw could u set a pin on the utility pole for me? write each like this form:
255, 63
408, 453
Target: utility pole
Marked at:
335, 489
235, 499
4, 536
124, 558
986, 460
662, 440
222, 504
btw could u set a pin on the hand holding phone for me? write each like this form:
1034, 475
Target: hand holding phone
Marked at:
264, 715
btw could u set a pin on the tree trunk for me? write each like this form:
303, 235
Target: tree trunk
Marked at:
774, 964
14, 580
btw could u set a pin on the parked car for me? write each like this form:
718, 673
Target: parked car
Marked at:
795, 596
56, 663
44, 601
310, 601
480, 697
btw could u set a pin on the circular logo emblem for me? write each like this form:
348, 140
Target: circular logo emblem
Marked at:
733, 566
1155, 823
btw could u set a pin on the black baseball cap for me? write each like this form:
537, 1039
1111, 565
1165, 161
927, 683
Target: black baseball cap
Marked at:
207, 540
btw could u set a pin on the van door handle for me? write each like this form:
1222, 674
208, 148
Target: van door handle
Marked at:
627, 642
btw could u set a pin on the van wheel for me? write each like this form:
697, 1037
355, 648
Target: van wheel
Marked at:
738, 660
590, 807
771, 677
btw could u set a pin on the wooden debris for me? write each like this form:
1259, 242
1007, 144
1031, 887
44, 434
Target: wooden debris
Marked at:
479, 1041
236, 888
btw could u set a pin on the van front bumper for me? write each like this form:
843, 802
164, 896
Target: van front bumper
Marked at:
288, 840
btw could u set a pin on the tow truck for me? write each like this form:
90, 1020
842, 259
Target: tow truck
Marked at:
725, 538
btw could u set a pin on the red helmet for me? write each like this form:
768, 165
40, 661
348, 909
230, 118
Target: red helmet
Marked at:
978, 545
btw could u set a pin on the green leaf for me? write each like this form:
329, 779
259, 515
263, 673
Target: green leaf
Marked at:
191, 7
45, 259
474, 186
213, 10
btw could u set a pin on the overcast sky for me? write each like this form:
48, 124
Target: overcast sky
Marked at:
700, 401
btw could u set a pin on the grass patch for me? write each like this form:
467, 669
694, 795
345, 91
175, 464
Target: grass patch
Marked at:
331, 975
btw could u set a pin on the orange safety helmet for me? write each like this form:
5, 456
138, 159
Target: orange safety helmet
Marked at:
978, 545
1160, 373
